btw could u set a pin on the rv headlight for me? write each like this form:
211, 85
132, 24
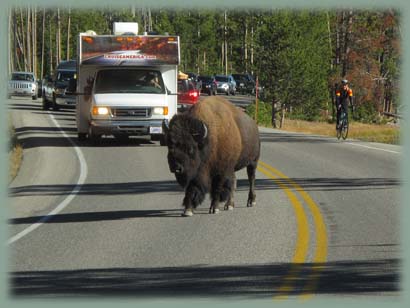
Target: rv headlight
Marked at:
100, 110
160, 110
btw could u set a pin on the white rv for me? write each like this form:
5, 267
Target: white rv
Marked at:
127, 84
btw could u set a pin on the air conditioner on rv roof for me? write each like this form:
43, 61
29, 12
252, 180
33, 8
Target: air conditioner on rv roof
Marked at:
121, 28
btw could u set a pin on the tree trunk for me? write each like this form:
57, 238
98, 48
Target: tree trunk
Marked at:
225, 44
68, 33
330, 40
19, 46
282, 116
29, 62
252, 37
9, 53
149, 20
23, 39
58, 38
245, 47
34, 40
204, 63
337, 55
50, 46
16, 63
222, 56
42, 43
347, 37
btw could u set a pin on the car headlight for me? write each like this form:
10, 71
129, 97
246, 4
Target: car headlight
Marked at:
160, 111
100, 111
59, 91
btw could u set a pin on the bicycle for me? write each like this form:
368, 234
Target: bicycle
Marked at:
343, 128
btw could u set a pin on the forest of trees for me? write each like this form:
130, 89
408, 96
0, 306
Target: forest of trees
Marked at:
297, 55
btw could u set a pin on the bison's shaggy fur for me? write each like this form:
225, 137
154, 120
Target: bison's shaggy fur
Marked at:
206, 145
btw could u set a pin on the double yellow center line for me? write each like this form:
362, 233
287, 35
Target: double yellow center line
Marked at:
295, 192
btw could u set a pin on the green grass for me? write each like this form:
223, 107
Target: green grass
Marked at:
383, 133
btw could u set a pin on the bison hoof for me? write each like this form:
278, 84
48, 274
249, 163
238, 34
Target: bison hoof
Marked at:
229, 206
188, 213
213, 211
251, 203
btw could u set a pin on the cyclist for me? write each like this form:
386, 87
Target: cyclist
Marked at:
344, 96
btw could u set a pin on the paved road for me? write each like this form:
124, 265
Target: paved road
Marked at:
105, 220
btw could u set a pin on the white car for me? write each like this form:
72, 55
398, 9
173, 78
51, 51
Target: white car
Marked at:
225, 84
22, 84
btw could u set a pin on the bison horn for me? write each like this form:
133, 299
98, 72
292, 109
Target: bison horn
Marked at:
205, 131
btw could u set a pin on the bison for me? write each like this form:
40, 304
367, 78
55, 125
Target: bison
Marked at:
206, 145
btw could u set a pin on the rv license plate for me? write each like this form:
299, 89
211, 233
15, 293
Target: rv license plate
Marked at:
155, 130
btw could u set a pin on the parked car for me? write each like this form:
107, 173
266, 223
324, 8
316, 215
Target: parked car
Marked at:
209, 85
225, 84
22, 84
245, 83
54, 86
188, 95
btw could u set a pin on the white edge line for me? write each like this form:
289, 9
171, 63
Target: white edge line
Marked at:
67, 200
373, 148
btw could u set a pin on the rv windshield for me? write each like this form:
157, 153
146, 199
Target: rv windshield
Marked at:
129, 81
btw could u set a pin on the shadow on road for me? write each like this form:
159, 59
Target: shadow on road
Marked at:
127, 188
132, 188
97, 216
37, 106
246, 281
20, 131
327, 184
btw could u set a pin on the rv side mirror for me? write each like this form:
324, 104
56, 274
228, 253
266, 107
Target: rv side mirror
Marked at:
72, 86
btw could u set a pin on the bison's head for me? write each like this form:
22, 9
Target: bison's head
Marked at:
187, 140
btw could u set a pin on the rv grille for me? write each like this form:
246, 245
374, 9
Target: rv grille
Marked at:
131, 112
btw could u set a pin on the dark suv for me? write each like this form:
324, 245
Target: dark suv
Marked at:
54, 86
208, 84
245, 83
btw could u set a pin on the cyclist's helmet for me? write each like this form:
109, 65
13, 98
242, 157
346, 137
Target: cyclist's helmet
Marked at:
344, 81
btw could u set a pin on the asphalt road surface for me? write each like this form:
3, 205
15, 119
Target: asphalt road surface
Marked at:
106, 220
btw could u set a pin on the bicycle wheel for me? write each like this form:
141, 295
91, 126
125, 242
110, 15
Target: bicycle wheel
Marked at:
345, 129
338, 132
339, 128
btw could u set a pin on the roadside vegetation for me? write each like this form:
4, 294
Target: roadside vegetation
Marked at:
15, 152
